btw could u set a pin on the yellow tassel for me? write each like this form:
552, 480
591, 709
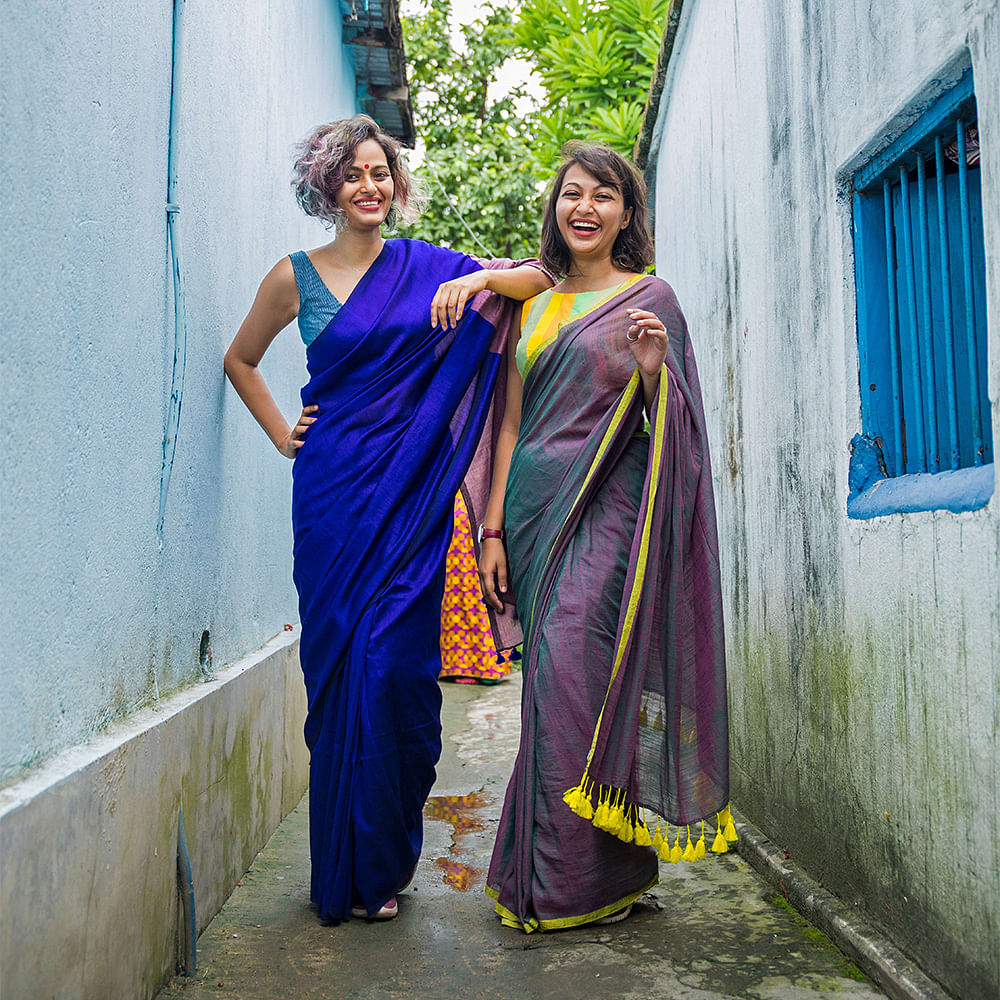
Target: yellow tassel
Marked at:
617, 815
719, 845
699, 848
642, 837
625, 832
606, 815
579, 801
603, 818
730, 830
572, 797
598, 818
664, 849
675, 852
658, 836
688, 854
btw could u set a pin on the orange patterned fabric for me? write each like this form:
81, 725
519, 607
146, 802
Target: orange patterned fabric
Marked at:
467, 648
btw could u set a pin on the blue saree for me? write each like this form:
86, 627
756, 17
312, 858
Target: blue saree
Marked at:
402, 406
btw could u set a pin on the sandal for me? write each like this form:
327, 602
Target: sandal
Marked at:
614, 918
388, 911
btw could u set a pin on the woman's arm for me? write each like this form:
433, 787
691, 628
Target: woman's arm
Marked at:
275, 306
518, 283
493, 575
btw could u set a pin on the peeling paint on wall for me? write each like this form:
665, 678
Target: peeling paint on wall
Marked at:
864, 656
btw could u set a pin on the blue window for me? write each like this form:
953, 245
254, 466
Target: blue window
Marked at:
921, 292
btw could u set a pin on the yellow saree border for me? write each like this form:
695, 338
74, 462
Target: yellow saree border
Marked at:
640, 571
511, 919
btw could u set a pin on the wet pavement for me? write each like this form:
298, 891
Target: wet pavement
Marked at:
709, 930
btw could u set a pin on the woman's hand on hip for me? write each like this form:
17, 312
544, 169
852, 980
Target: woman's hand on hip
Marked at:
290, 446
493, 572
647, 339
450, 299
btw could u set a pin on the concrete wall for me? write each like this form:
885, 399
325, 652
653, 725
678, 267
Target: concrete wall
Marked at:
864, 655
99, 620
89, 883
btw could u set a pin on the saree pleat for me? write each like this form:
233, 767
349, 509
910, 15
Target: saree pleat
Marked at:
613, 561
401, 408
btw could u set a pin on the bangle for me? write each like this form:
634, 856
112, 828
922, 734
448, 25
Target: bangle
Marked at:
485, 532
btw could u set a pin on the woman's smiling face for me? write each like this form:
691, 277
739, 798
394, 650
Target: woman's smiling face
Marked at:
590, 214
365, 197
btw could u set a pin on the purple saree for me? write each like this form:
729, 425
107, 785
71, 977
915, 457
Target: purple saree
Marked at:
614, 562
401, 409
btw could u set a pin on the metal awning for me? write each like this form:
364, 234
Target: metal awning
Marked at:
374, 38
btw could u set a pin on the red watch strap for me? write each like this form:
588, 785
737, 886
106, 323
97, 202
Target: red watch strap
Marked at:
485, 532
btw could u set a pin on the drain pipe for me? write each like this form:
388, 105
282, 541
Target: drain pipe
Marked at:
186, 884
180, 312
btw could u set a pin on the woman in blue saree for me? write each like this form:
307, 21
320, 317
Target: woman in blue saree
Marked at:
404, 341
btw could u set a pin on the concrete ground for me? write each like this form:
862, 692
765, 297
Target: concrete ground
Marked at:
709, 930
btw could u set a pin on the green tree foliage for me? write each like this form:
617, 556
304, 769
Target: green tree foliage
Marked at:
487, 163
595, 59
479, 166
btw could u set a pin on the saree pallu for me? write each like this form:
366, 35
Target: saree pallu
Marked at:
614, 564
401, 409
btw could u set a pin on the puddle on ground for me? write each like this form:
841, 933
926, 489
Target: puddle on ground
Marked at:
460, 812
457, 810
458, 876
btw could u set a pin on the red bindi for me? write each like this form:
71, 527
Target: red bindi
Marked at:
366, 166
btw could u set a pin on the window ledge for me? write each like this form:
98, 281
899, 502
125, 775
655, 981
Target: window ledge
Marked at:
958, 491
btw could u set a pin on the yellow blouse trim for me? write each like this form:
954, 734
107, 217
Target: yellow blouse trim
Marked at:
544, 316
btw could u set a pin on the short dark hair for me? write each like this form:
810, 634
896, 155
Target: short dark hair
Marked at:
324, 157
633, 249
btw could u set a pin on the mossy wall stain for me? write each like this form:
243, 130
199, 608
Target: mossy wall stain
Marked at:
818, 770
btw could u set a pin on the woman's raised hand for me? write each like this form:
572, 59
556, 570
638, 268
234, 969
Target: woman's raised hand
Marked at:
493, 572
290, 446
450, 299
647, 339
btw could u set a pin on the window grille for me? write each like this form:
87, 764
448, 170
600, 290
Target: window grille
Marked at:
921, 293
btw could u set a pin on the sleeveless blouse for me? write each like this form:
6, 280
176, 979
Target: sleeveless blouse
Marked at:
317, 304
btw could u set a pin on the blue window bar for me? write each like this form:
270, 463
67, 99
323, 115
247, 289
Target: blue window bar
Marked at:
920, 272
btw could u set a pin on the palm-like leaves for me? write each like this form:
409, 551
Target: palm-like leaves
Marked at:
596, 58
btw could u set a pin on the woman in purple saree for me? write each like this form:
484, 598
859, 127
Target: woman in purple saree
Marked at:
611, 540
392, 412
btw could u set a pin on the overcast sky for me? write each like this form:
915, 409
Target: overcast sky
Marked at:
514, 72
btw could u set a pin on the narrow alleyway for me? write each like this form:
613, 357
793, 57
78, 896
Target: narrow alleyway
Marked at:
709, 930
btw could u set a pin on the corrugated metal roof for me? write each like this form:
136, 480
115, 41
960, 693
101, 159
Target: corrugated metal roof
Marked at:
374, 38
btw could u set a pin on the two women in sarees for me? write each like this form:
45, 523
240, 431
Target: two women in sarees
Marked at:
403, 345
600, 524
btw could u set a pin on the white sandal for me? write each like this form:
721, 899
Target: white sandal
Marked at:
614, 918
388, 912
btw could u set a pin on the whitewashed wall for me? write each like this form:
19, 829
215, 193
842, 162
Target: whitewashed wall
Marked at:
864, 656
100, 747
98, 621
